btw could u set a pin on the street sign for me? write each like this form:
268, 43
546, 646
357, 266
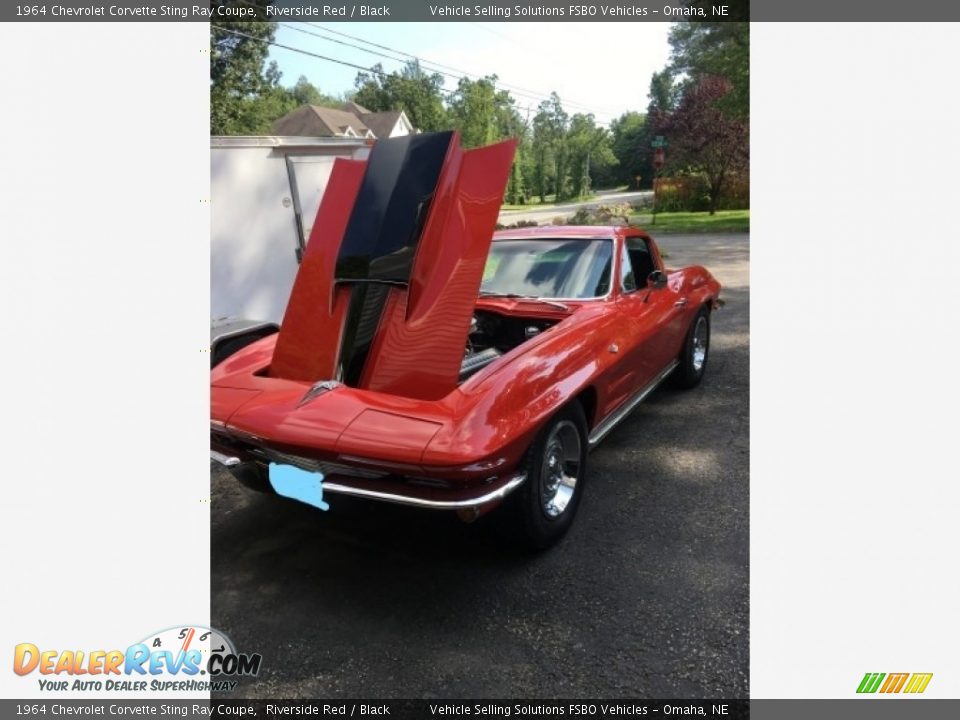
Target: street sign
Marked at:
659, 142
658, 158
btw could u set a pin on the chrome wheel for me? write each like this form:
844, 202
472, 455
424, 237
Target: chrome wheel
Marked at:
560, 468
699, 355
556, 463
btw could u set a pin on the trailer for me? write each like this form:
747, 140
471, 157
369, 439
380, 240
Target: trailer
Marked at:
264, 194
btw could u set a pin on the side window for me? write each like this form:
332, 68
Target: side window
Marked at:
640, 258
628, 283
603, 284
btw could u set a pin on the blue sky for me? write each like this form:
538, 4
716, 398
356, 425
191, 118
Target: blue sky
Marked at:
602, 68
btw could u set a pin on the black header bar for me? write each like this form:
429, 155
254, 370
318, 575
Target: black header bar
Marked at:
508, 11
578, 709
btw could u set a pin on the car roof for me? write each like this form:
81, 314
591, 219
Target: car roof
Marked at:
584, 232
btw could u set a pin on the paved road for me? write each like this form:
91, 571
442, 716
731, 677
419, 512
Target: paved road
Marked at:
646, 596
508, 217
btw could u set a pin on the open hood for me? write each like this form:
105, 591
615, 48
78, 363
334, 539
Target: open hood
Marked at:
386, 290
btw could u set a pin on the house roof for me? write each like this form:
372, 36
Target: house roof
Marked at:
314, 120
381, 123
319, 121
351, 106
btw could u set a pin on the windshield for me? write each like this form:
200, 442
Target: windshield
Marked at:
548, 268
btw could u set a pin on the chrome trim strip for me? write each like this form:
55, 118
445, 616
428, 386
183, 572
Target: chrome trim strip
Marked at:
614, 418
501, 492
225, 460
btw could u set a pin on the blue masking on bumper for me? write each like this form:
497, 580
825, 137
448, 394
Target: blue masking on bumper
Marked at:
297, 484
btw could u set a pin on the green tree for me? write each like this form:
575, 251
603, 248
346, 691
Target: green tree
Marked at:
482, 114
411, 89
630, 146
703, 49
663, 92
306, 93
473, 110
544, 140
274, 101
633, 132
550, 151
516, 189
244, 91
371, 90
510, 124
590, 153
526, 165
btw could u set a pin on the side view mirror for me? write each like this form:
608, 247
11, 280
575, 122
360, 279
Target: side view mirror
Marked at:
656, 279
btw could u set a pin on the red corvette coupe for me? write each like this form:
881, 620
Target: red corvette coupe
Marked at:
427, 361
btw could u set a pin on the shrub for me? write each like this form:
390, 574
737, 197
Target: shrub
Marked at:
517, 224
692, 193
580, 217
684, 192
605, 214
601, 215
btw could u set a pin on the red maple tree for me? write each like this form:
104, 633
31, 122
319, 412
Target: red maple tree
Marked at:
702, 138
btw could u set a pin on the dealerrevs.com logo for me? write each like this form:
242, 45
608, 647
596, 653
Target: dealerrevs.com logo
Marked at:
911, 683
189, 658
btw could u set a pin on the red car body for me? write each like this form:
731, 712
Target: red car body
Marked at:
405, 427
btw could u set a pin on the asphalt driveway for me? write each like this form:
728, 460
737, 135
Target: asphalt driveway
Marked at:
647, 596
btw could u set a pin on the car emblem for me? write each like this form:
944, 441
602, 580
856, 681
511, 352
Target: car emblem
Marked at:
318, 389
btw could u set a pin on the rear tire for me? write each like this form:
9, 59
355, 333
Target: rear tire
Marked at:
696, 351
545, 505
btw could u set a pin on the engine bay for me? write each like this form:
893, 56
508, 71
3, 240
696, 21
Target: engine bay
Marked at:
493, 335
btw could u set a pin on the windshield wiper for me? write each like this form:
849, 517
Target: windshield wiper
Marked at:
517, 296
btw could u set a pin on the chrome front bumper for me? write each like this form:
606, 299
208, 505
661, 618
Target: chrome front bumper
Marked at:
225, 460
407, 494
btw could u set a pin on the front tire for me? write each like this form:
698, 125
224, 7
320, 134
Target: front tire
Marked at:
696, 351
556, 464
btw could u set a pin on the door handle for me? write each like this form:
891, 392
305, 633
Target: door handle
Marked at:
682, 302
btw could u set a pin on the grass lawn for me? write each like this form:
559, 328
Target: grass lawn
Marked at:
692, 222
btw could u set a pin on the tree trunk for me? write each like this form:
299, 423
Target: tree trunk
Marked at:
716, 185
